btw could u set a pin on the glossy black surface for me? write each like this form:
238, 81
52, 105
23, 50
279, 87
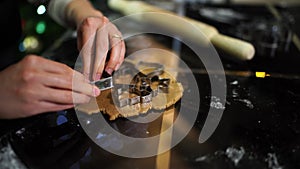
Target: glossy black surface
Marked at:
260, 127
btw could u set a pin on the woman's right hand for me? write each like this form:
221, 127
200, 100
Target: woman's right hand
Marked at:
36, 85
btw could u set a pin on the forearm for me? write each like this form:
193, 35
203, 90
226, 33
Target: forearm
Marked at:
70, 13
77, 10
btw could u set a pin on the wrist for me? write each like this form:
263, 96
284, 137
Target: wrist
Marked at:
57, 8
78, 10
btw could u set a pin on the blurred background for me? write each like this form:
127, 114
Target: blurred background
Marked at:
39, 30
267, 30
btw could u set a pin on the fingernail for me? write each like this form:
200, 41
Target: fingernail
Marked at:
96, 91
109, 70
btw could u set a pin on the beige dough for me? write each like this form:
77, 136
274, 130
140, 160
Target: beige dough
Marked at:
105, 104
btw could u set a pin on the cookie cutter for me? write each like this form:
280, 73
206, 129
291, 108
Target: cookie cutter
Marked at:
140, 88
104, 84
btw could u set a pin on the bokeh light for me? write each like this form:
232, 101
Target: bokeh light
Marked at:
41, 10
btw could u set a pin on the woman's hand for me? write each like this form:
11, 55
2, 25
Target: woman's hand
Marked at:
36, 85
96, 36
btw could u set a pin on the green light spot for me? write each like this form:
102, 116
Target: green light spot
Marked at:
40, 27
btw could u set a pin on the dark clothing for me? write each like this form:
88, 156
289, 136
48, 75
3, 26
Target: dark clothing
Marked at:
10, 31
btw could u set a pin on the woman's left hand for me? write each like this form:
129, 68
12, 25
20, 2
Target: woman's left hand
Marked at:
96, 36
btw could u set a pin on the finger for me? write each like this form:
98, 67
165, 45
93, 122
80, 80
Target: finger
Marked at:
46, 65
102, 45
115, 57
63, 96
86, 89
79, 76
81, 85
87, 54
79, 98
86, 42
88, 29
122, 55
76, 83
123, 50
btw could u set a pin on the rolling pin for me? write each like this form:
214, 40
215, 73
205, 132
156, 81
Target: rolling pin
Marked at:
237, 48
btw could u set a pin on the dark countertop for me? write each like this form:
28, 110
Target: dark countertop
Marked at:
260, 125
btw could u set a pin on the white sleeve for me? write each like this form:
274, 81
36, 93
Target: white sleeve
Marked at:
56, 9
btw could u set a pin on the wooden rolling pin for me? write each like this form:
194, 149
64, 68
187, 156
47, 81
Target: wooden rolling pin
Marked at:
239, 49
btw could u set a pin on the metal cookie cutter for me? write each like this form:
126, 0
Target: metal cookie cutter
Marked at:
104, 84
139, 90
